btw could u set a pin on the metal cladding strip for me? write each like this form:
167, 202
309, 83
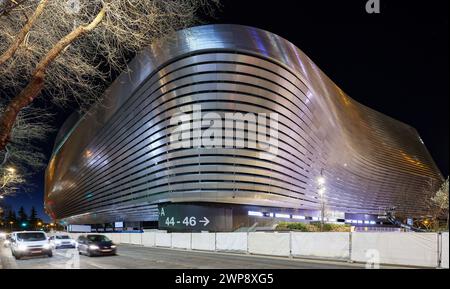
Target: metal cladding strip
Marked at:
118, 156
130, 213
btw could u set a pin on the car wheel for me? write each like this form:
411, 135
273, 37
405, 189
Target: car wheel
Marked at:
50, 254
17, 256
89, 253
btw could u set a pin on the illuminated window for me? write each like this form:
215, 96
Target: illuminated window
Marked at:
283, 216
255, 214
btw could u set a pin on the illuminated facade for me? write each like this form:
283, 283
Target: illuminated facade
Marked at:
116, 162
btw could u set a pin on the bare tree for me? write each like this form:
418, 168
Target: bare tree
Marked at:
63, 48
10, 180
440, 200
22, 155
8, 5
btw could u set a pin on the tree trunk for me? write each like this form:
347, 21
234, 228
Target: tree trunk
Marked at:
22, 100
35, 86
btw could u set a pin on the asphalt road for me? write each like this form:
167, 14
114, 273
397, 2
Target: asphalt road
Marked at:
132, 257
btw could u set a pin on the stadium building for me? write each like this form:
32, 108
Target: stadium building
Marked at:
224, 127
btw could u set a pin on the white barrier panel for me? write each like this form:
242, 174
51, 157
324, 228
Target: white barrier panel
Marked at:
322, 245
148, 239
274, 244
204, 241
444, 250
410, 249
163, 240
74, 236
136, 239
108, 235
115, 238
181, 241
125, 238
234, 242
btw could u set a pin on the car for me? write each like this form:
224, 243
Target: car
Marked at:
95, 245
62, 241
30, 243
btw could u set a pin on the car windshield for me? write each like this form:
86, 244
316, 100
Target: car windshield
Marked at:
97, 238
62, 237
31, 237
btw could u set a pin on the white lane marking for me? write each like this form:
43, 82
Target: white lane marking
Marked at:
96, 265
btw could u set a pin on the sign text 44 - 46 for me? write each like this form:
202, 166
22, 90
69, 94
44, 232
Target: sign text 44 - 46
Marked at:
194, 218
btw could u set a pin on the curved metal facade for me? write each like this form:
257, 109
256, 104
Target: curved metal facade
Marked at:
116, 162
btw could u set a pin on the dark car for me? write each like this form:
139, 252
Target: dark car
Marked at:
96, 245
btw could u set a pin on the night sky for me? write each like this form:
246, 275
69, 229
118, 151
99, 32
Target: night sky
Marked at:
395, 62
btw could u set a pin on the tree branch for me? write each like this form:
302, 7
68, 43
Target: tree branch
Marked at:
67, 40
23, 33
12, 5
5, 157
35, 86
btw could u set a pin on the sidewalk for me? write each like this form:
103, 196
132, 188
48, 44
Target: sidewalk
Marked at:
6, 260
1, 256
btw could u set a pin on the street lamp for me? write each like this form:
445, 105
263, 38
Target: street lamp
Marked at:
321, 191
10, 225
6, 178
321, 181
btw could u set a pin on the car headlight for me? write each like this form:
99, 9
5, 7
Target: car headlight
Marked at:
113, 246
93, 247
22, 247
47, 246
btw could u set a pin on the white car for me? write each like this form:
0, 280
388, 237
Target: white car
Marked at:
62, 241
30, 244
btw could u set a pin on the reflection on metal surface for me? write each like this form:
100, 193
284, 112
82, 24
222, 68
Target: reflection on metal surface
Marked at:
116, 163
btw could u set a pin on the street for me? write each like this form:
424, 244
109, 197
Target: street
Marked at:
134, 257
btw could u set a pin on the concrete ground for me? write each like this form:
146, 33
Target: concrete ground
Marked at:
134, 257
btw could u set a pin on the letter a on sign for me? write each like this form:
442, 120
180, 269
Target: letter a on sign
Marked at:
162, 213
373, 6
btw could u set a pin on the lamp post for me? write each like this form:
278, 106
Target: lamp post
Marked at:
11, 170
321, 190
6, 178
10, 225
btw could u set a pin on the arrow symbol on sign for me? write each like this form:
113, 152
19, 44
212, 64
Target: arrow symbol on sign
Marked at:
205, 221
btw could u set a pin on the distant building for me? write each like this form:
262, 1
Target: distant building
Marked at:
121, 162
